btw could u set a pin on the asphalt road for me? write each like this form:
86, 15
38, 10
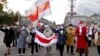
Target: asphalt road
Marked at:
42, 51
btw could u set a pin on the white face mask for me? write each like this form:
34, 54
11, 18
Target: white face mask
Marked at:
61, 31
47, 28
8, 27
3, 27
58, 27
23, 27
15, 26
81, 25
61, 27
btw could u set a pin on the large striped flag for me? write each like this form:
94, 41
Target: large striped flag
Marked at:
43, 8
38, 10
42, 40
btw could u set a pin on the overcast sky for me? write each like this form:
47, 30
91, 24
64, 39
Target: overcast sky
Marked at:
59, 7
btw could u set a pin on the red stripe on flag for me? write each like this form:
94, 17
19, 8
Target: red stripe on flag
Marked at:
43, 40
47, 5
43, 7
33, 16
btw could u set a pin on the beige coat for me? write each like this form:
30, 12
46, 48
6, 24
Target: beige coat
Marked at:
98, 40
70, 36
48, 33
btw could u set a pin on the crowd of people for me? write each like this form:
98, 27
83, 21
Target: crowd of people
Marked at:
82, 37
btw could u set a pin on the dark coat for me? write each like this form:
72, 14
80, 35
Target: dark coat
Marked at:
33, 38
12, 34
61, 37
8, 36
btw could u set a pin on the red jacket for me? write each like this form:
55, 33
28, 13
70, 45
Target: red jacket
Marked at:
81, 38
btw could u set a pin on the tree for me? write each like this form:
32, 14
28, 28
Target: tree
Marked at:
2, 4
1, 8
7, 17
16, 16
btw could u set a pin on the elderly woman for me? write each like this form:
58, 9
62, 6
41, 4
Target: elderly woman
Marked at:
48, 33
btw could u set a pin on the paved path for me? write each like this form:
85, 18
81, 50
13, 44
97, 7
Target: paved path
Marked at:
42, 52
1, 38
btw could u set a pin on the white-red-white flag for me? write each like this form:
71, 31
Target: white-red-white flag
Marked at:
43, 8
32, 15
42, 40
38, 10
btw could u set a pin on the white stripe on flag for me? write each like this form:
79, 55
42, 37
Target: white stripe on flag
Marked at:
43, 8
40, 2
31, 10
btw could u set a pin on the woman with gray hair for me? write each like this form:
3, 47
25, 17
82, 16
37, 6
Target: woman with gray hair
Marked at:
48, 33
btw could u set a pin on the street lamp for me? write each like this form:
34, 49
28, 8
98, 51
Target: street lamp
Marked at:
19, 17
71, 13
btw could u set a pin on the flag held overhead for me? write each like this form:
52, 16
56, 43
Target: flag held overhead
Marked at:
38, 10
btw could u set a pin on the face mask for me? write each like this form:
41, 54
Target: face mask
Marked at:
3, 27
61, 27
15, 27
98, 29
8, 27
58, 27
23, 27
81, 25
61, 31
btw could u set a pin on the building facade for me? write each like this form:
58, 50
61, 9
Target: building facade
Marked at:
25, 20
76, 18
